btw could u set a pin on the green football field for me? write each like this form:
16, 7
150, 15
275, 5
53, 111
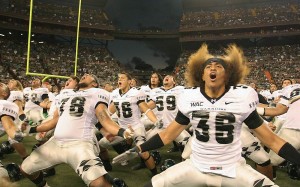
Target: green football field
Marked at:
66, 177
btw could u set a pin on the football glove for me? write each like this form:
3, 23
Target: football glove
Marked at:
128, 133
128, 155
159, 123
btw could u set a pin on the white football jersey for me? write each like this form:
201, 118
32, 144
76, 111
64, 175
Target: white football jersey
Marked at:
34, 95
15, 95
217, 126
9, 109
146, 89
127, 107
55, 102
166, 103
266, 93
276, 94
77, 114
292, 116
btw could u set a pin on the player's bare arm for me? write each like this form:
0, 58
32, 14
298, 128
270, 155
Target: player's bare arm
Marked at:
268, 111
109, 124
45, 103
171, 132
111, 109
20, 105
43, 127
268, 138
151, 104
149, 113
9, 126
278, 145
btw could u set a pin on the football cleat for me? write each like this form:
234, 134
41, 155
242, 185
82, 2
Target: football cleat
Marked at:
167, 164
156, 156
126, 156
293, 170
14, 171
6, 148
48, 172
117, 182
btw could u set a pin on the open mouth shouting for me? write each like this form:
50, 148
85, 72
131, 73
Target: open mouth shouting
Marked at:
213, 76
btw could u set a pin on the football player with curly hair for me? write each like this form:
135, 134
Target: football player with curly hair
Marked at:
216, 106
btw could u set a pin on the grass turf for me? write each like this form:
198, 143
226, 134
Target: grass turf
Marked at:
66, 177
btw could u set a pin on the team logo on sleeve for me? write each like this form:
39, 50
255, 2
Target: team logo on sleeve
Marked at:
253, 104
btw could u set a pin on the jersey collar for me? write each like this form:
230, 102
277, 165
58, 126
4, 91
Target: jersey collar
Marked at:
212, 100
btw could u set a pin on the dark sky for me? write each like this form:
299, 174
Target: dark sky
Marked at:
130, 15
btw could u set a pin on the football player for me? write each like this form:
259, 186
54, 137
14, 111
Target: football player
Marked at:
16, 96
164, 99
74, 140
129, 103
8, 113
216, 106
70, 86
288, 104
280, 119
154, 82
134, 82
34, 96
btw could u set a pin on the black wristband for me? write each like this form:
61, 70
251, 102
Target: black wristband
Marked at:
121, 132
288, 152
153, 143
22, 117
33, 129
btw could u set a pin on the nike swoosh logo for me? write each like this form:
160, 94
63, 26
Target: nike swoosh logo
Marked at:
227, 103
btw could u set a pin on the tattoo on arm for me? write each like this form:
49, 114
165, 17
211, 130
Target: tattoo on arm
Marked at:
102, 115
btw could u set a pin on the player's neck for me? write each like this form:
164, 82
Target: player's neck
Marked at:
168, 87
153, 86
214, 92
123, 91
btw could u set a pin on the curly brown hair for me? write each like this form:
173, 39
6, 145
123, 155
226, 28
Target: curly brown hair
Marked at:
236, 68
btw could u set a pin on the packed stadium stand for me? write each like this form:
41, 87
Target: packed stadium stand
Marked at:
253, 25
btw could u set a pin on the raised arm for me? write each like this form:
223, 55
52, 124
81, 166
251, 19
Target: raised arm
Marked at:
109, 125
268, 111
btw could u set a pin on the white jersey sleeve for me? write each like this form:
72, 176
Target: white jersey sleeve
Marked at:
289, 94
26, 93
146, 89
8, 108
15, 95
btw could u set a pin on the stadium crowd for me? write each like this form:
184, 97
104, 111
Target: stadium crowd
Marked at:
56, 59
53, 13
258, 14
